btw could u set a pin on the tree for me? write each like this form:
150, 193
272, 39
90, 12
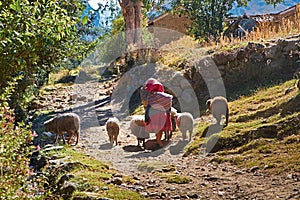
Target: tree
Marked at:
133, 16
132, 13
208, 15
35, 36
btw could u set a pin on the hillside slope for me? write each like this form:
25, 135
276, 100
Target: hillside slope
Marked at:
263, 131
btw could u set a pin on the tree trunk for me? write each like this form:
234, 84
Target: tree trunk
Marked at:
132, 16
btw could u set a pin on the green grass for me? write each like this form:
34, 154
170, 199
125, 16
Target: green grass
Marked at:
91, 176
178, 179
243, 143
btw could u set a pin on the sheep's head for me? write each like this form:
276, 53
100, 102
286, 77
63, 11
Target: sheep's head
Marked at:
48, 125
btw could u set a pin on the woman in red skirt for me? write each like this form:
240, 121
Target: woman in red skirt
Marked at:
156, 120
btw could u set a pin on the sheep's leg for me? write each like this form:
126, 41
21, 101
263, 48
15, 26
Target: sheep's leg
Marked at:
184, 134
71, 133
191, 134
218, 118
110, 138
56, 137
77, 137
139, 140
226, 117
116, 139
63, 137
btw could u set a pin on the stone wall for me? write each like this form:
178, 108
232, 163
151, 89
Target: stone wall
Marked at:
245, 69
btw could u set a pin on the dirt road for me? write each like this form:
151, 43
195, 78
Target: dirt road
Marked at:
207, 180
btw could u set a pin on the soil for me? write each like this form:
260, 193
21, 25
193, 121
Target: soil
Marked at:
148, 166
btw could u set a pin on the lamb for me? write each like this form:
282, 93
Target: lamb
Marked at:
113, 129
218, 106
185, 122
67, 122
137, 127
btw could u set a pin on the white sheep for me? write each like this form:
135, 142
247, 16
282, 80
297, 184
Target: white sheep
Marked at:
137, 127
218, 107
113, 129
185, 122
67, 122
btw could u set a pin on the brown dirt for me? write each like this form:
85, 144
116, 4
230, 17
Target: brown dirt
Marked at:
150, 167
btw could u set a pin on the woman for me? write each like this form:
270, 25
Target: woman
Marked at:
157, 121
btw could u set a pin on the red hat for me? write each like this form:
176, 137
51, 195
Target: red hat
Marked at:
153, 85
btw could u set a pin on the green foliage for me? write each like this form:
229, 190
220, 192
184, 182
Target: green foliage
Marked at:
118, 25
14, 151
208, 16
37, 36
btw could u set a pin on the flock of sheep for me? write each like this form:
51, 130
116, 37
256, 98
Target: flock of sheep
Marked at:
70, 123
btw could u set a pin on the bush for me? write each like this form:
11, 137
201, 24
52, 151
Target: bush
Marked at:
14, 152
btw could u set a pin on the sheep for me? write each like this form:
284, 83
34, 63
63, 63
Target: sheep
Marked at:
67, 122
137, 127
168, 134
113, 128
185, 122
218, 106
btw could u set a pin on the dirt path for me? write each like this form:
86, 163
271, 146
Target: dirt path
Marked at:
126, 156
207, 180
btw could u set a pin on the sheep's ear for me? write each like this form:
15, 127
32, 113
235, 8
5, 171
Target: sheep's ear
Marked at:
208, 102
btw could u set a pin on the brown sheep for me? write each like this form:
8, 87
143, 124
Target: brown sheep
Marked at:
218, 107
67, 122
113, 129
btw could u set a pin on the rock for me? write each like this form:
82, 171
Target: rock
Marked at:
221, 193
267, 167
117, 180
253, 169
175, 197
53, 148
73, 96
211, 178
38, 161
104, 188
48, 134
145, 194
193, 196
63, 179
68, 189
267, 131
152, 194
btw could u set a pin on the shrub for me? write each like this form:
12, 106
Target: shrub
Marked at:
14, 151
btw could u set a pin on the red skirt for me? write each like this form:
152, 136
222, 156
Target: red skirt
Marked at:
160, 121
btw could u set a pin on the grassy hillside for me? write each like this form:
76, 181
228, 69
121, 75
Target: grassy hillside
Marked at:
263, 131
